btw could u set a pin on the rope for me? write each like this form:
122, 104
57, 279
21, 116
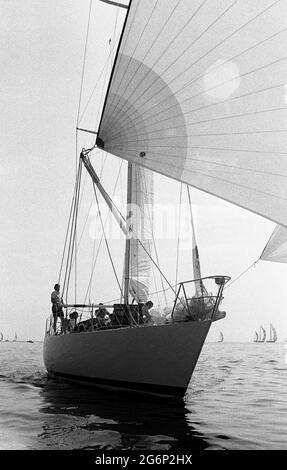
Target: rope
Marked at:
240, 275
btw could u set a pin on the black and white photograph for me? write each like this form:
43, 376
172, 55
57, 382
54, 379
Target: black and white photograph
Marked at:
143, 239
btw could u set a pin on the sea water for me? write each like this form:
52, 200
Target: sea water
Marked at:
237, 399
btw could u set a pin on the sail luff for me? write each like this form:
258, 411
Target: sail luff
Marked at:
99, 141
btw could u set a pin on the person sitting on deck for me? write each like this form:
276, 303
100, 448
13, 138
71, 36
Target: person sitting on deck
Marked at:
102, 317
145, 311
57, 307
73, 321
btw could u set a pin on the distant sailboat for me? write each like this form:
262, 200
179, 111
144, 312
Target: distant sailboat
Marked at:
256, 337
1, 336
221, 338
262, 335
15, 337
272, 335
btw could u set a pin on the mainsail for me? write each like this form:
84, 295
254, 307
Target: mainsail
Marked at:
142, 226
198, 93
272, 334
262, 334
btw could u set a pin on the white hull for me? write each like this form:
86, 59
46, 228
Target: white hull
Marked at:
154, 359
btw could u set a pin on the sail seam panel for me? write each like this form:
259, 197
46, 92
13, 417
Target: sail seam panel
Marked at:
253, 93
206, 90
157, 36
223, 165
173, 39
230, 59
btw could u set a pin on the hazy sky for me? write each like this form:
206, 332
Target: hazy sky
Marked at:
41, 62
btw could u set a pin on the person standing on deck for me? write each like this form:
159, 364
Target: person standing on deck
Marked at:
57, 306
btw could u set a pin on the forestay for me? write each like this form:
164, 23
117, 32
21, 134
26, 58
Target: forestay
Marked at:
198, 93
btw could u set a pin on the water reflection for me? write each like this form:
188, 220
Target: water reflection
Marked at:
87, 418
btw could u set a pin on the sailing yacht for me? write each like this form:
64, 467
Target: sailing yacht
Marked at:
256, 337
262, 335
221, 337
272, 335
15, 337
1, 336
196, 94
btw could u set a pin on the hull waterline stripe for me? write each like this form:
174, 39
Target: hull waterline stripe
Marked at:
151, 388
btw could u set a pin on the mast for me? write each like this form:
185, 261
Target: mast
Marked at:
128, 238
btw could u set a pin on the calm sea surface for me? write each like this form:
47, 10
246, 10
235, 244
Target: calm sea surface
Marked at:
237, 399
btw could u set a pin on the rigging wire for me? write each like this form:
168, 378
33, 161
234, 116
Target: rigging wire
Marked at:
94, 261
106, 241
150, 215
84, 61
66, 236
103, 70
242, 274
92, 200
178, 235
74, 236
72, 232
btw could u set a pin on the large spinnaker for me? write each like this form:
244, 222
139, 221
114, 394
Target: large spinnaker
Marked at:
198, 94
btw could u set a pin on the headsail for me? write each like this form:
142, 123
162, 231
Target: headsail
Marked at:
276, 248
142, 195
198, 93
